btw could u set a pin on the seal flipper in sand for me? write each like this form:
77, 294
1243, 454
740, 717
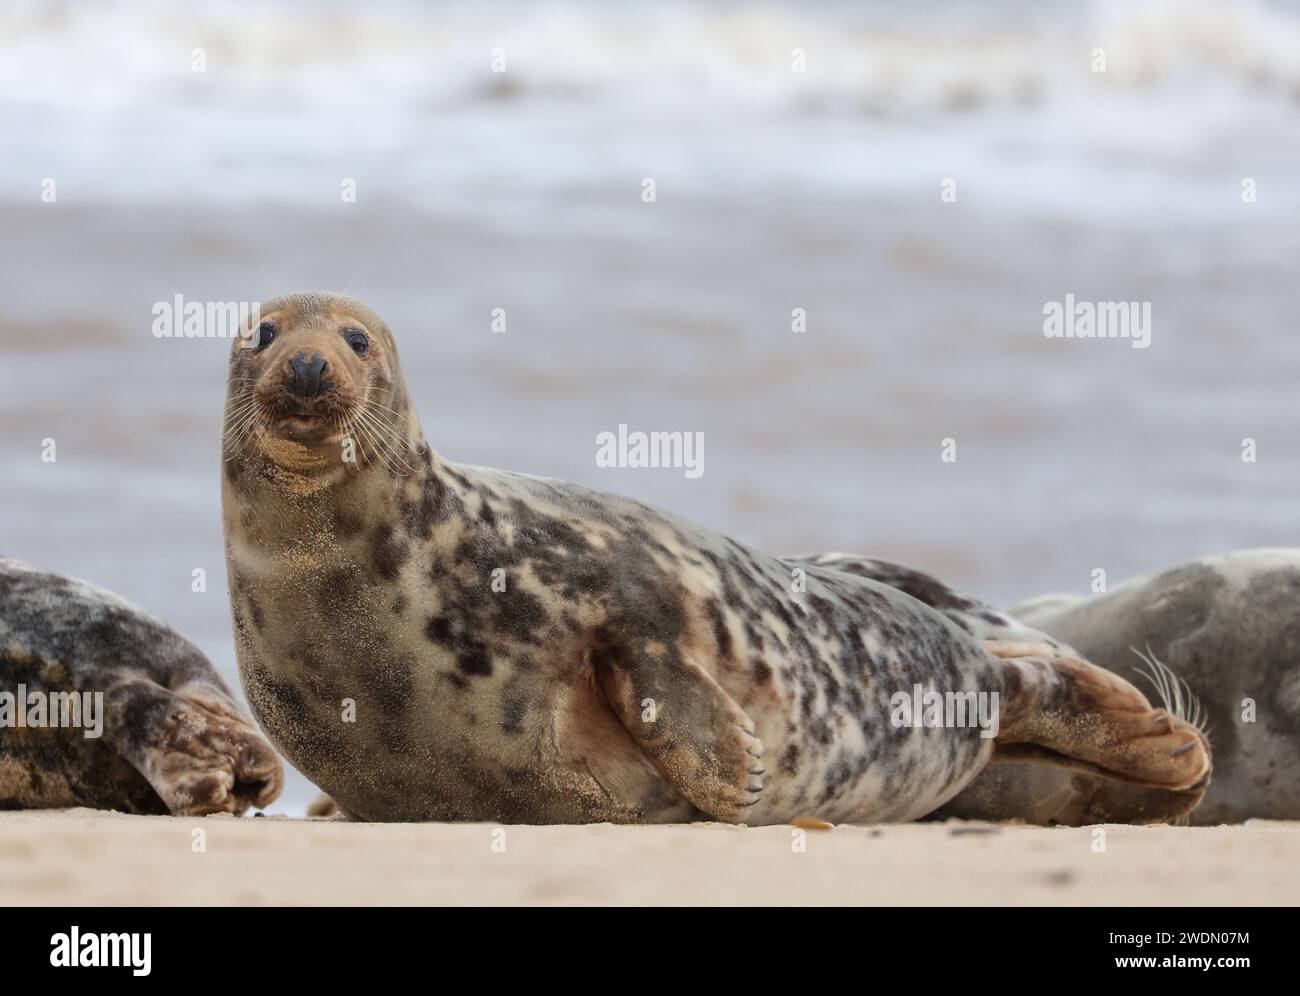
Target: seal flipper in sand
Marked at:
172, 739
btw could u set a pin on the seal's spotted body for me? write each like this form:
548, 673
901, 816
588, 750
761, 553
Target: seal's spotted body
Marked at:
977, 618
627, 665
589, 598
172, 740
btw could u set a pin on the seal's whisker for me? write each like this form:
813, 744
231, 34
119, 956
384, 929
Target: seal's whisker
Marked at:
388, 431
236, 413
365, 445
1155, 676
239, 410
378, 454
241, 428
234, 433
339, 427
370, 419
384, 442
342, 428
373, 409
392, 462
237, 398
239, 444
356, 433
229, 427
372, 403
1175, 693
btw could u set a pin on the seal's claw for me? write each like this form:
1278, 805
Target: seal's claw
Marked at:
729, 795
196, 750
1093, 720
207, 763
701, 740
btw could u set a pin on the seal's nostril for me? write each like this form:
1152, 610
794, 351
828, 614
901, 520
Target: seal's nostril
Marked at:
305, 375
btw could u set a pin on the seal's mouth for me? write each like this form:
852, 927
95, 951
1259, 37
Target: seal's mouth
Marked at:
309, 422
307, 428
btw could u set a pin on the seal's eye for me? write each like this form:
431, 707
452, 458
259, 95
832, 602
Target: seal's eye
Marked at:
358, 340
265, 336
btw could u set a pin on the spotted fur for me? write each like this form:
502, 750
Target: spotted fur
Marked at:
1039, 793
173, 739
635, 668
977, 618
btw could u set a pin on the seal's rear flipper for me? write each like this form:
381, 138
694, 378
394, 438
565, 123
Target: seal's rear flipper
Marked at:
1072, 714
690, 728
325, 808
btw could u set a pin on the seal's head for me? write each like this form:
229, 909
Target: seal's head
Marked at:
317, 373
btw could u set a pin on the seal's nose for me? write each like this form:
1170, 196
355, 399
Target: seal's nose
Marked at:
307, 377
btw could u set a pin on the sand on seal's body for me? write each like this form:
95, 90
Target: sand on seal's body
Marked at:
86, 857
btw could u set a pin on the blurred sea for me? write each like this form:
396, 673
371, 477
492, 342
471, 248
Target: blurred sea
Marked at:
775, 190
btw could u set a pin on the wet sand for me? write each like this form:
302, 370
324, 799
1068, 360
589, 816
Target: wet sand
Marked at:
81, 857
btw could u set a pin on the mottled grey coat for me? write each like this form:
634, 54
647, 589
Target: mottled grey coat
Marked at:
427, 640
173, 739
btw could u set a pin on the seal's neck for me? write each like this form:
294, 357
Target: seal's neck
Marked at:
319, 506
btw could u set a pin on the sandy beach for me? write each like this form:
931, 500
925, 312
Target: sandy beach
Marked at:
83, 857
856, 218
777, 190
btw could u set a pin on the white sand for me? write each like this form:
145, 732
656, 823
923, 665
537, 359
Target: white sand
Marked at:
80, 857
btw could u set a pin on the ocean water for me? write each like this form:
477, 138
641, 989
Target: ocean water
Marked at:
774, 190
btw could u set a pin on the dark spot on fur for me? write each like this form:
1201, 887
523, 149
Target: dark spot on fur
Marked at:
721, 634
474, 661
513, 710
789, 759
347, 525
336, 591
388, 555
430, 507
259, 622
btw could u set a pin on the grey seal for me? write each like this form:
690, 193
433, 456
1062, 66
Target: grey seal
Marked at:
1220, 634
427, 640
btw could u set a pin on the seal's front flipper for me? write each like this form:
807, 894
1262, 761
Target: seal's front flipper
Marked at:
199, 754
691, 729
1073, 714
325, 808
